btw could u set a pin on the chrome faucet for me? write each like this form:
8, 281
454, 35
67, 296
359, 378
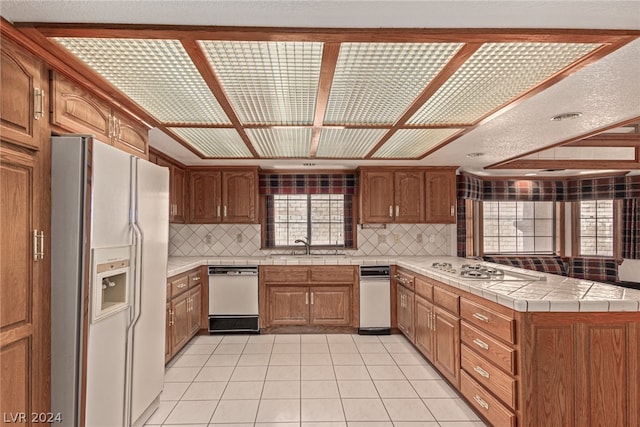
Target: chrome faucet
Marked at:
307, 244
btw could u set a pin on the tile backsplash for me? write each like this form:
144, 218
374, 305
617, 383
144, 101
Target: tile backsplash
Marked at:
244, 240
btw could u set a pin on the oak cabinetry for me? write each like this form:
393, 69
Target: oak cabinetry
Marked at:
177, 188
24, 212
405, 301
74, 109
440, 195
24, 112
446, 348
184, 307
223, 196
424, 336
393, 196
309, 296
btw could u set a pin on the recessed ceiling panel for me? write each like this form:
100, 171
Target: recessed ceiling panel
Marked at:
156, 74
214, 142
412, 143
281, 142
375, 82
268, 82
348, 143
494, 75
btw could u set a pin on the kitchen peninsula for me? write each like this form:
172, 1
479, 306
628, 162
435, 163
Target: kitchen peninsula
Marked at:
554, 351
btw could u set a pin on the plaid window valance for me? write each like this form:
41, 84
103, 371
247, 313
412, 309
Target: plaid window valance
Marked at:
618, 187
308, 184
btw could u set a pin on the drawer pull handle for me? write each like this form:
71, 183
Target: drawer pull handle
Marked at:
195, 279
481, 344
390, 211
182, 285
481, 317
481, 401
481, 371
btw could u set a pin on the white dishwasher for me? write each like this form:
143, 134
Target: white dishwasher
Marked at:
375, 300
233, 299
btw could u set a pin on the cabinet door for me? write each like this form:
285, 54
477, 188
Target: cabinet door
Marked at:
400, 314
24, 109
162, 162
288, 305
168, 333
377, 197
205, 198
441, 197
24, 288
239, 197
446, 352
131, 137
195, 295
330, 305
180, 307
178, 192
75, 110
423, 326
409, 197
408, 314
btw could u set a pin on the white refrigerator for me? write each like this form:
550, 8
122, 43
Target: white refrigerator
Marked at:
110, 231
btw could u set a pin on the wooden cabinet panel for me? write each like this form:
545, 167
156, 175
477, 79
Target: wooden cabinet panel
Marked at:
488, 406
181, 329
178, 190
446, 355
130, 136
205, 197
239, 197
330, 306
498, 324
423, 326
377, 197
167, 336
445, 299
405, 301
500, 384
441, 196
299, 275
179, 285
24, 286
24, 108
195, 301
75, 110
423, 288
331, 274
409, 197
288, 305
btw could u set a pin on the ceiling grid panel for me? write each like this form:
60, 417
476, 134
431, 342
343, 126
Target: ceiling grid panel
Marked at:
347, 143
281, 142
215, 142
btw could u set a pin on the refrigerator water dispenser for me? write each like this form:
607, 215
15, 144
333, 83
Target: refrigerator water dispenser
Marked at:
110, 285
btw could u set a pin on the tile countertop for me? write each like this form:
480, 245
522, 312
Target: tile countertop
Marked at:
554, 293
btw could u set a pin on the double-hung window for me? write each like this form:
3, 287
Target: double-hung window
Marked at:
318, 217
518, 227
595, 228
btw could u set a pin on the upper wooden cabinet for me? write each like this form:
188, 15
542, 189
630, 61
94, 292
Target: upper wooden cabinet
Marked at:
74, 109
402, 195
177, 188
392, 196
24, 97
223, 196
441, 196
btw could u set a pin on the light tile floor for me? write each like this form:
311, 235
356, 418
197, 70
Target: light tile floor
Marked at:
306, 381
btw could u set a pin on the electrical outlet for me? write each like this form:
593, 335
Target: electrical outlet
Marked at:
239, 238
432, 238
419, 238
208, 239
382, 239
396, 238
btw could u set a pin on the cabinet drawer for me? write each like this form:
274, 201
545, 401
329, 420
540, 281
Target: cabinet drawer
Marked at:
492, 378
168, 291
447, 300
286, 275
332, 274
179, 285
195, 278
405, 280
490, 348
487, 405
498, 324
424, 289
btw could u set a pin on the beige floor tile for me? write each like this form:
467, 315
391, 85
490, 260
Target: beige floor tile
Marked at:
322, 410
395, 389
235, 411
205, 391
357, 389
192, 412
364, 410
281, 390
319, 389
243, 390
407, 410
281, 410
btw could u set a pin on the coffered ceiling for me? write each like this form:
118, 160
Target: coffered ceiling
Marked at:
388, 95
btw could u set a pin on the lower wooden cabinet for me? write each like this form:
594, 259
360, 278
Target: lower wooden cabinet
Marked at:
184, 308
424, 334
320, 296
405, 304
446, 348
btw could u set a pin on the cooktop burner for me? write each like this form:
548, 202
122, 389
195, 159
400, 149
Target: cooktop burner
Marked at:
479, 271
